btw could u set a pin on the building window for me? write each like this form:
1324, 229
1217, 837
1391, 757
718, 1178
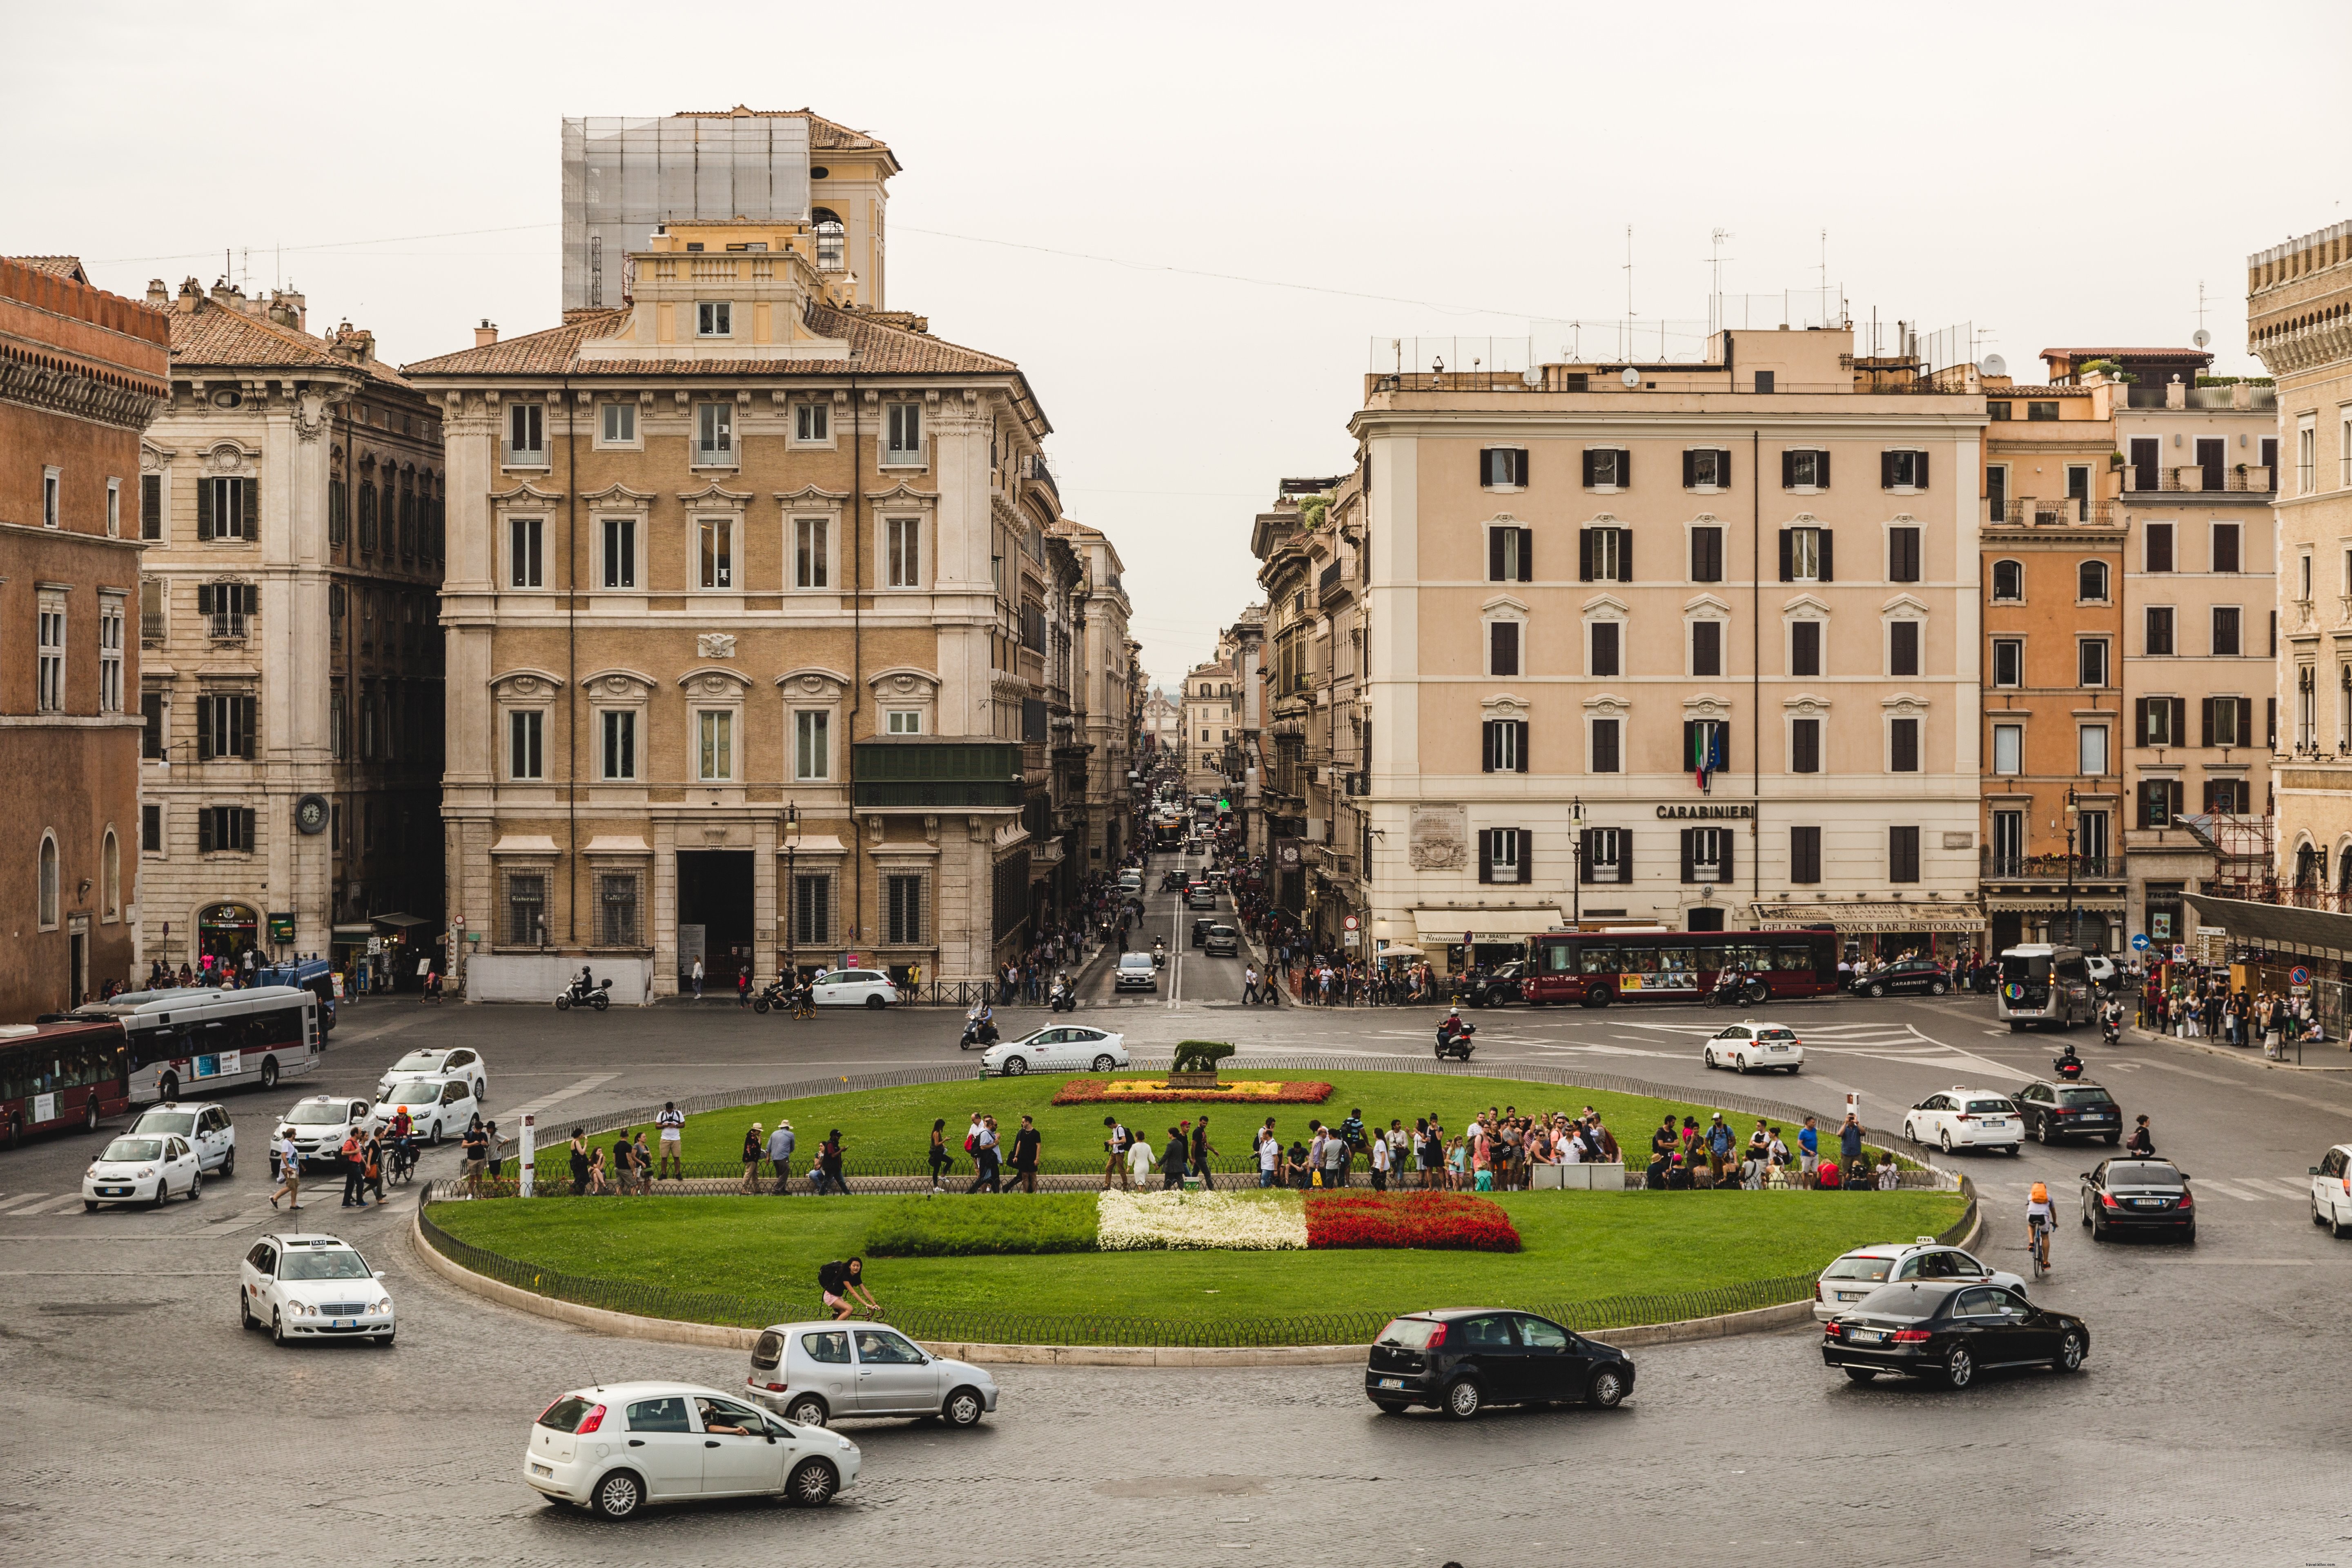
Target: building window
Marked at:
1706, 745
1510, 554
2227, 641
1804, 469
904, 722
1707, 649
1503, 647
617, 908
1605, 856
1804, 745
1902, 647
902, 903
2157, 636
714, 552
151, 830
812, 745
1903, 471
714, 319
2091, 661
1608, 753
2091, 837
1804, 649
2091, 583
2227, 795
1903, 555
2306, 449
50, 653
46, 910
2008, 661
225, 726
1708, 855
150, 506
1902, 745
523, 566
2229, 720
810, 557
812, 422
110, 653
1604, 662
1804, 855
2078, 490
228, 508
1608, 554
2161, 721
1903, 854
2008, 842
51, 480
2091, 750
903, 539
1707, 554
2225, 540
903, 433
1608, 468
152, 708
224, 830
2157, 548
526, 436
813, 909
1502, 468
714, 433
620, 743
2008, 582
618, 425
2039, 413
1504, 746
113, 512
832, 241
1996, 490
1706, 468
110, 870
2008, 749
1501, 856
1805, 555
620, 550
2159, 802
526, 909
714, 747
525, 731
337, 723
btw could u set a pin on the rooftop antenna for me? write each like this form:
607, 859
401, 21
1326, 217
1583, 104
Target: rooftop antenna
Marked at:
1627, 334
1825, 278
1715, 302
2203, 337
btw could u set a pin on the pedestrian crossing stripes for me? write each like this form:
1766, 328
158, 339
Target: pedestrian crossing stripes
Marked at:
17, 1203
2244, 1189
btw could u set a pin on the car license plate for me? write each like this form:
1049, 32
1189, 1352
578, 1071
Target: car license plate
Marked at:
2097, 1116
1865, 1336
538, 1469
1849, 1295
1392, 1383
2147, 1203
347, 1322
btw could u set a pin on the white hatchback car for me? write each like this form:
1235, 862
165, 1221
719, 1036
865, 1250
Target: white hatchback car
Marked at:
456, 1061
811, 1374
144, 1168
439, 1108
318, 1125
1755, 1045
1966, 1118
2331, 1190
1059, 1047
617, 1447
1865, 1268
854, 988
308, 1287
206, 1126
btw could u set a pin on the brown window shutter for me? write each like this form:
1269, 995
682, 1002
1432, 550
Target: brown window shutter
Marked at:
1787, 469
1886, 471
2179, 721
2139, 721
1486, 747
1584, 556
2207, 705
2245, 720
1690, 873
1728, 845
252, 508
1521, 752
1625, 854
1589, 459
1495, 555
1690, 467
204, 831
1527, 556
203, 509
1486, 856
1821, 469
1723, 467
150, 506
1624, 555
1829, 557
1788, 570
1919, 479
1584, 857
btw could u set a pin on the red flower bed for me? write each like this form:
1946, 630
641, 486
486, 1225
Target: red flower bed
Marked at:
1454, 1221
1143, 1092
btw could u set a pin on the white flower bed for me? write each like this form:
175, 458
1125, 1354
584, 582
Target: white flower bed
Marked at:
1131, 1222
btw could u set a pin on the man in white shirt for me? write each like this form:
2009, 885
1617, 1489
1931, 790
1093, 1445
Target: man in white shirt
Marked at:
1249, 986
672, 1123
1380, 1164
983, 1154
1269, 1156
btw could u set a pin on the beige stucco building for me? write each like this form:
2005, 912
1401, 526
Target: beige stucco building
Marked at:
1686, 643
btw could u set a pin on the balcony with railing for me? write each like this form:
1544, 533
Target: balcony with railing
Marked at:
2051, 868
2249, 479
2054, 511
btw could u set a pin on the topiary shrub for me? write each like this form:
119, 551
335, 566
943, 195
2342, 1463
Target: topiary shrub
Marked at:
1200, 1056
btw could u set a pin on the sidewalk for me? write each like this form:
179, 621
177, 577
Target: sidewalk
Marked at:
2248, 1054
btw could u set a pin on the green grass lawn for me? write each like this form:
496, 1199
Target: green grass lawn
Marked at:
889, 1129
1579, 1246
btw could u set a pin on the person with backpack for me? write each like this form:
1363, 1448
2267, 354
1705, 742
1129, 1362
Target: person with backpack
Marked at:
843, 1285
1115, 1150
981, 1146
1026, 1144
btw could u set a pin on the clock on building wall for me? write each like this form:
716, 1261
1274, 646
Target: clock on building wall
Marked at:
311, 814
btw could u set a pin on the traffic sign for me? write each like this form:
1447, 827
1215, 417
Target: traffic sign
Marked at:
2179, 953
2139, 941
1348, 924
2298, 976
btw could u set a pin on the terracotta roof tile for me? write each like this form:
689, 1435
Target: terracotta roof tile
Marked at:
61, 265
822, 133
2127, 353
882, 351
216, 334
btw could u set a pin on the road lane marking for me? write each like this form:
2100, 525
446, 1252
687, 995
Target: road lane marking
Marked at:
50, 1205
534, 1107
21, 1199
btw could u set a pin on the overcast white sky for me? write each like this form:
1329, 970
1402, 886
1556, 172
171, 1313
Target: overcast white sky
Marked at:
2052, 172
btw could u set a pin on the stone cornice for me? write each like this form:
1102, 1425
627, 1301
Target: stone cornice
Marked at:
55, 389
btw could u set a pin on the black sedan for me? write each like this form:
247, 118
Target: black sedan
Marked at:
2054, 1110
1499, 987
1910, 974
1463, 1359
1949, 1332
1201, 929
2133, 1194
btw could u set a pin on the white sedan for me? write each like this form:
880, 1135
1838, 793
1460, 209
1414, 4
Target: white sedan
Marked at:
854, 988
313, 1288
1865, 1268
1059, 1047
206, 1126
620, 1446
317, 1126
1753, 1045
1966, 1118
437, 1108
455, 1061
145, 1168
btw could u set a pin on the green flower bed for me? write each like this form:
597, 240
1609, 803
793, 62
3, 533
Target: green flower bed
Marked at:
922, 1228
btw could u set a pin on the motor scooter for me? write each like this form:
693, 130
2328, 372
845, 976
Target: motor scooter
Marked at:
977, 1031
1064, 999
2068, 1066
1454, 1039
777, 993
577, 995
2112, 1031
1158, 953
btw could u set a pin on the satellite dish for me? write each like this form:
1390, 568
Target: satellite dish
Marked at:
2201, 337
1631, 377
1532, 377
1993, 365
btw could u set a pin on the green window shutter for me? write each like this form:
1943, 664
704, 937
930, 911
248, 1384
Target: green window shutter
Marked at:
203, 509
252, 508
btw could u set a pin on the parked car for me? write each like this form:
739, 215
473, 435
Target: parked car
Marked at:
2050, 1111
1499, 988
620, 1446
1965, 1119
205, 1126
437, 1108
2130, 1194
454, 1061
1756, 1044
1949, 1331
1201, 929
141, 1169
312, 1287
317, 1125
1061, 1048
1913, 976
1865, 1268
811, 1374
1463, 1359
1136, 971
1222, 939
2331, 1190
854, 988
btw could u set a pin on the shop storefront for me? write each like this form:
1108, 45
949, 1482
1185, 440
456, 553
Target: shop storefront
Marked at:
226, 932
1883, 931
1458, 940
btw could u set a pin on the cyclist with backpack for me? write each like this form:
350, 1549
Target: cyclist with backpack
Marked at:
2040, 1221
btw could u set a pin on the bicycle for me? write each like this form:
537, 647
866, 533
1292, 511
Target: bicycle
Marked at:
2037, 1243
802, 1009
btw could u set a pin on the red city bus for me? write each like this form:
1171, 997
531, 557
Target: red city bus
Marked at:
55, 1075
1598, 967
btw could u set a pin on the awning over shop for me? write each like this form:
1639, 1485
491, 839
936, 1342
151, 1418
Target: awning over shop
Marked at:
2002, 904
1399, 949
400, 922
2273, 925
1444, 928
1864, 918
353, 934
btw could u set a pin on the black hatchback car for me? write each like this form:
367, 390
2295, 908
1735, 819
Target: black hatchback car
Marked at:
1948, 1330
2146, 1195
1918, 975
2054, 1110
1463, 1359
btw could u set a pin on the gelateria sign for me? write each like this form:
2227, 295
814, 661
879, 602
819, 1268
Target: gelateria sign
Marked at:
1708, 812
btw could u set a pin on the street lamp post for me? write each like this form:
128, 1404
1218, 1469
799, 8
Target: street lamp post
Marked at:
2073, 811
1576, 854
792, 894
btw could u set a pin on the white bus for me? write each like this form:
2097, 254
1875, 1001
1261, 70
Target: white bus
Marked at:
201, 1039
2044, 985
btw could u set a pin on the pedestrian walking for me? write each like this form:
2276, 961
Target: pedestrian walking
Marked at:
941, 1158
743, 986
1249, 985
1139, 1157
780, 1143
1171, 1162
290, 1175
1201, 1150
1809, 1147
985, 1156
1026, 1144
355, 1172
698, 977
1115, 1140
755, 1147
644, 1161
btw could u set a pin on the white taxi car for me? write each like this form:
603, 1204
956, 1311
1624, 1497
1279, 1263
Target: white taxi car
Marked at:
207, 1128
2331, 1190
1966, 1118
1059, 1047
1756, 1044
437, 1108
318, 1125
617, 1447
141, 1168
313, 1288
854, 988
1865, 1268
456, 1061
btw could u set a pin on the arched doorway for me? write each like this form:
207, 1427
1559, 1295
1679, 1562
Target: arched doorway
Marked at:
223, 931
